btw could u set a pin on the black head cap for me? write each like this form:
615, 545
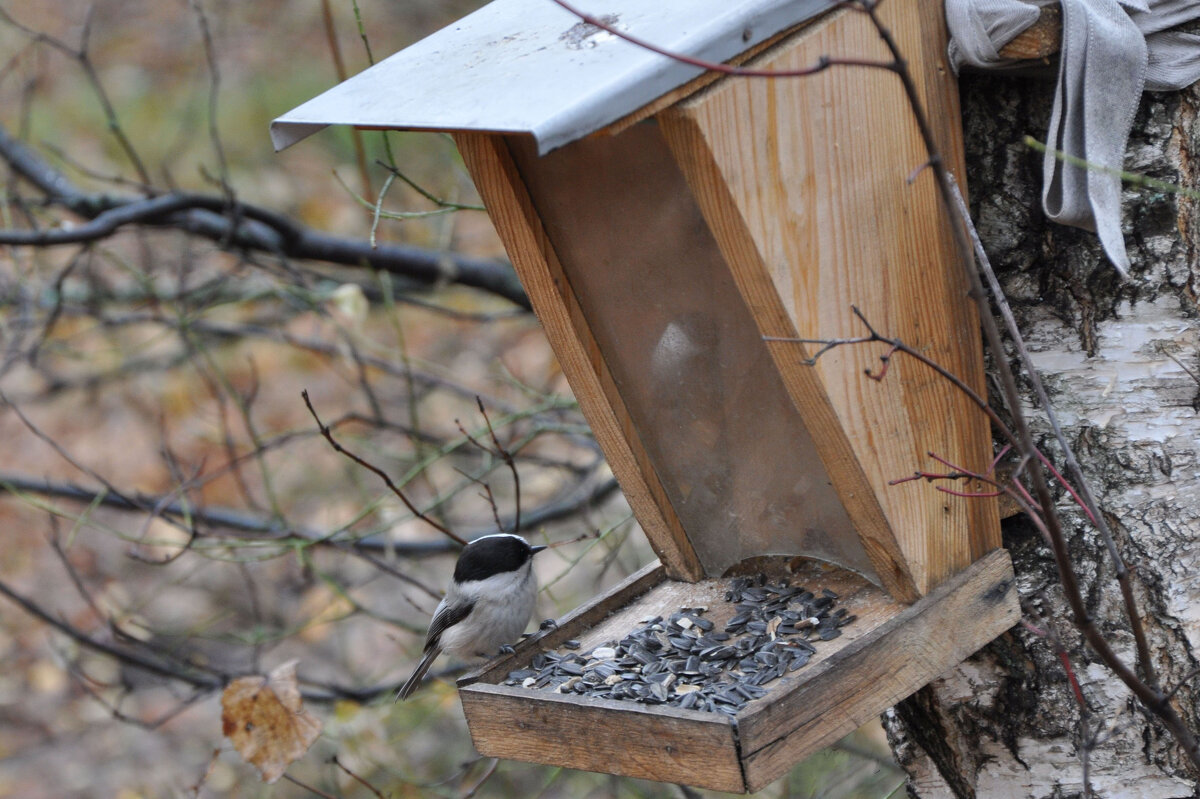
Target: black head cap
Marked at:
491, 555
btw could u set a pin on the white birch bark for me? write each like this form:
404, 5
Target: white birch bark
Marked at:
1116, 360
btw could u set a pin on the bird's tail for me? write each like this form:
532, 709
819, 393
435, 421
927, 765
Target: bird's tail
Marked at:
411, 685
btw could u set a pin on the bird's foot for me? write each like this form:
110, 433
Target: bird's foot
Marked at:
548, 624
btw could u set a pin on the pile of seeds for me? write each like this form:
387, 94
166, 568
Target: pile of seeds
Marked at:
682, 660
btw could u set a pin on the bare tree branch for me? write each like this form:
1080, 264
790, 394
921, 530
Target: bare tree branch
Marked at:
239, 226
579, 499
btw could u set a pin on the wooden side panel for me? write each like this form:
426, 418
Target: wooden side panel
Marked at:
684, 746
491, 166
841, 693
805, 183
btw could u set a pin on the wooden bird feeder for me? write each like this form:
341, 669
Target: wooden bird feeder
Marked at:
670, 227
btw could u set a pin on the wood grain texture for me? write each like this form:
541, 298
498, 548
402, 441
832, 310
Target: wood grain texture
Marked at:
500, 185
684, 746
887, 653
845, 690
1040, 40
833, 445
695, 84
805, 184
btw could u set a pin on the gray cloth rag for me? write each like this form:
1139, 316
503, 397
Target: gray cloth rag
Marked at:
1111, 51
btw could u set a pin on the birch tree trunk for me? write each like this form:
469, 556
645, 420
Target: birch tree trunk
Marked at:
1121, 362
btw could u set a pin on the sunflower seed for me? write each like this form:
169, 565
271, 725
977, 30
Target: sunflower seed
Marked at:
686, 662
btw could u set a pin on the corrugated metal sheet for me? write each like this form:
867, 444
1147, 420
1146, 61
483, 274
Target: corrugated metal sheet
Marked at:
529, 66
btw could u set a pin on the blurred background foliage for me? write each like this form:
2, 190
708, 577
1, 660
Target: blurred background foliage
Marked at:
166, 493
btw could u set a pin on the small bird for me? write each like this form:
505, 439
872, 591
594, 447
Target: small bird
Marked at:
488, 604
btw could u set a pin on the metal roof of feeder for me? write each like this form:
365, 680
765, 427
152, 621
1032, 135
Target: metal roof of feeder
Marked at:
530, 66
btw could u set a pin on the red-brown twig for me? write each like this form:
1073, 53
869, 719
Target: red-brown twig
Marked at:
822, 64
1087, 741
1063, 658
896, 345
1086, 499
1147, 690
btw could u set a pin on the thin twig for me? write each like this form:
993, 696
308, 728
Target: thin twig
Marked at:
487, 774
896, 345
1145, 691
355, 777
308, 787
1184, 680
505, 455
328, 435
1132, 178
339, 67
823, 63
240, 226
1084, 495
428, 195
81, 56
192, 673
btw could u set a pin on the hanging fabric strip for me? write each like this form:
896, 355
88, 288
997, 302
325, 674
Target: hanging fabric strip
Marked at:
1111, 51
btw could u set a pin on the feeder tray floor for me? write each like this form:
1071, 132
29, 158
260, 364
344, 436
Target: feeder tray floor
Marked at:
890, 651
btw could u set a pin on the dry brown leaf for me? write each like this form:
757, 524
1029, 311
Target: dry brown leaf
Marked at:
265, 720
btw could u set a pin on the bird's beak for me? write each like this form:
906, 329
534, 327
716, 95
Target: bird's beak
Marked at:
537, 548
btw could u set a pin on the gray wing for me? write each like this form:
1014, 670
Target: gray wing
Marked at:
446, 617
